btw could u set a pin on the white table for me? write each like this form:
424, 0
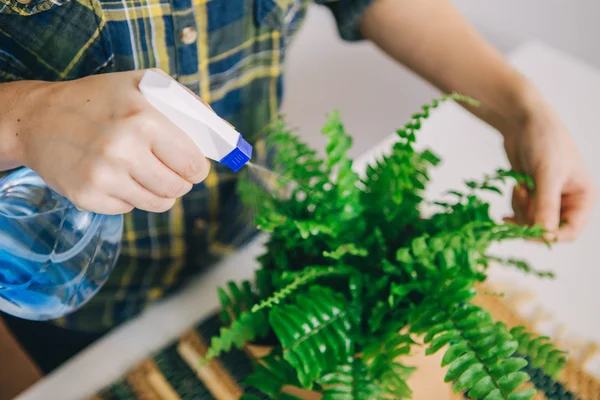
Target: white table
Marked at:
469, 149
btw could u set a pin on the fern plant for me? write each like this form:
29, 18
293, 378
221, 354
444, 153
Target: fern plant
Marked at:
354, 276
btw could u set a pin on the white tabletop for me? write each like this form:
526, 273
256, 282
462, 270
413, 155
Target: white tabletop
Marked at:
469, 149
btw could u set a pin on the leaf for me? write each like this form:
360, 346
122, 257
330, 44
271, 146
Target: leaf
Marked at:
505, 367
223, 297
494, 395
482, 388
419, 246
454, 352
314, 333
339, 141
512, 381
477, 357
270, 375
458, 367
310, 274
312, 228
403, 256
470, 377
350, 382
346, 249
247, 327
399, 292
523, 266
491, 188
538, 348
526, 394
441, 341
431, 158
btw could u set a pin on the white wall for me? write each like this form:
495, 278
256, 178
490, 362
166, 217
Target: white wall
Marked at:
375, 95
569, 25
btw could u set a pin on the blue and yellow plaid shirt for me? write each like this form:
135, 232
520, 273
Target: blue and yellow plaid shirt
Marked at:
229, 52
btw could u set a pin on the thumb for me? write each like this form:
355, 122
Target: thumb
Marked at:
547, 201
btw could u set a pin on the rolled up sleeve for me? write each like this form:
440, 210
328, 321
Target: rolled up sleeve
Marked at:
347, 14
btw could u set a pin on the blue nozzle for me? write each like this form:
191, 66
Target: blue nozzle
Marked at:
239, 156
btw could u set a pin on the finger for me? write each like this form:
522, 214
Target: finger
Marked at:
103, 204
131, 192
153, 175
547, 201
577, 209
528, 206
519, 205
175, 149
187, 161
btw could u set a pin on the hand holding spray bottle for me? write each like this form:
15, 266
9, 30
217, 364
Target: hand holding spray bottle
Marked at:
54, 257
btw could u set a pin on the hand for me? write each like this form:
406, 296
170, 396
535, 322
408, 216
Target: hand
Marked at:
99, 143
564, 194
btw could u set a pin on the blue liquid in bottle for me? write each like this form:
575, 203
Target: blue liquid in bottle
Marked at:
53, 257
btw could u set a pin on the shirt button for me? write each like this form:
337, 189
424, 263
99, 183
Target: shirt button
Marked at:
188, 35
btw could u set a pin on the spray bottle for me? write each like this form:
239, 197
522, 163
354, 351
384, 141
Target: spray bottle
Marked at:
54, 257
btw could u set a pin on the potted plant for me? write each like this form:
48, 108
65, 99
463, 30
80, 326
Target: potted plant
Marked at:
354, 276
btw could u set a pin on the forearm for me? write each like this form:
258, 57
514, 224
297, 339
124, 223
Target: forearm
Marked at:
13, 102
431, 38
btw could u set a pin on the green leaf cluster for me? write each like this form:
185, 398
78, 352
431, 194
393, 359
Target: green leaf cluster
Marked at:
354, 275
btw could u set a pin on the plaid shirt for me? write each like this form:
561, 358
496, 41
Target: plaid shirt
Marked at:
230, 52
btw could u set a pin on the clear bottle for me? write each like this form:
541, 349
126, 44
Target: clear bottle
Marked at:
53, 257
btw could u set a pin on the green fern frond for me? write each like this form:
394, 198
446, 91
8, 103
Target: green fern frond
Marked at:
480, 351
236, 300
339, 141
348, 193
315, 333
465, 207
346, 249
382, 356
463, 249
394, 184
294, 160
404, 270
308, 228
246, 328
522, 266
540, 351
268, 220
392, 381
308, 275
417, 119
500, 177
270, 375
351, 381
240, 325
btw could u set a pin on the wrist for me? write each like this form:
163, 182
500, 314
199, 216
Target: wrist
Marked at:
16, 118
517, 102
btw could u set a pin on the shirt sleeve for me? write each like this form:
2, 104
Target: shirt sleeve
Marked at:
347, 14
